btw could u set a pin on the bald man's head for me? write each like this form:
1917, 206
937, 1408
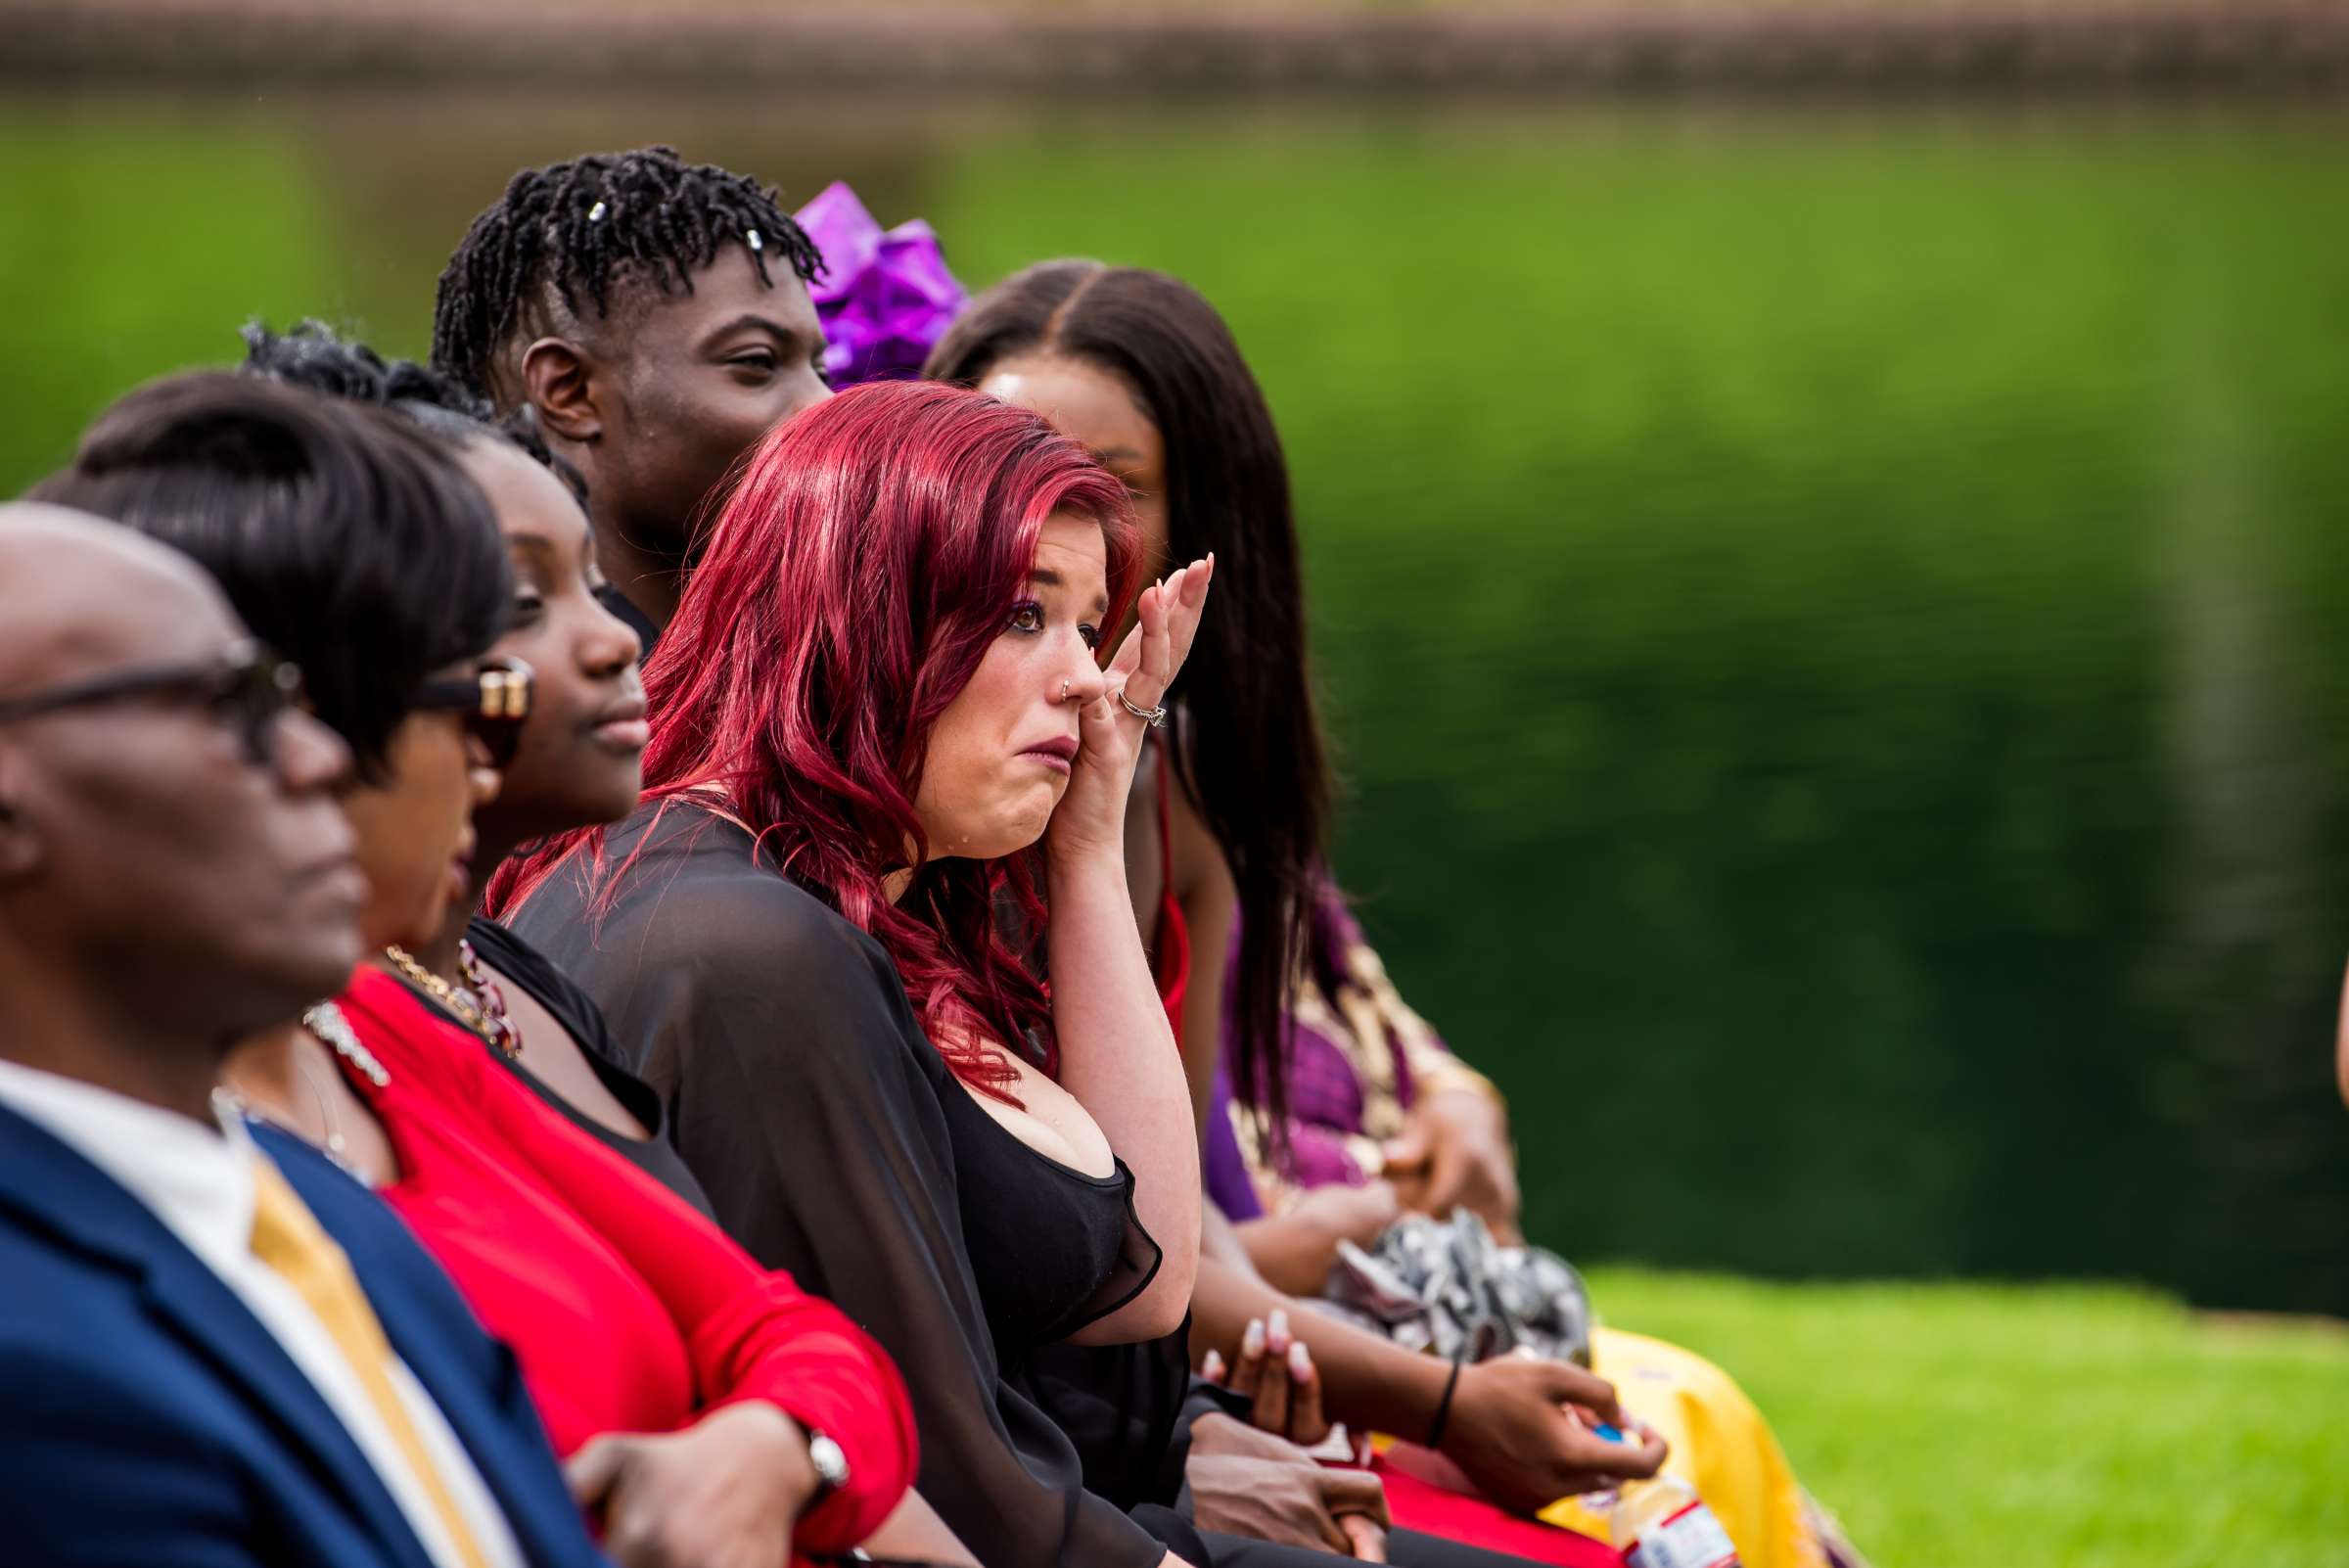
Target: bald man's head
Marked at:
77, 591
171, 843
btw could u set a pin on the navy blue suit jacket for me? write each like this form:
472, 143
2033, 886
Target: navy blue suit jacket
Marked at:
148, 1418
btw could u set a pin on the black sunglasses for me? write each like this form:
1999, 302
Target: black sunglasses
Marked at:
247, 686
494, 700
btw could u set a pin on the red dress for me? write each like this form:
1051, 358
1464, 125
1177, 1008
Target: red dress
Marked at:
628, 1311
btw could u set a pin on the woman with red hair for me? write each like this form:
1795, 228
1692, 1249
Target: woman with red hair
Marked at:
880, 697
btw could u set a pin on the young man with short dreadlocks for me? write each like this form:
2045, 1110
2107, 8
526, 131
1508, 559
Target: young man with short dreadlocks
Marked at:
655, 315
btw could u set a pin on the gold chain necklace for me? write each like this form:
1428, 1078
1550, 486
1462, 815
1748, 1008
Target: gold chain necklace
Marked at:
478, 1004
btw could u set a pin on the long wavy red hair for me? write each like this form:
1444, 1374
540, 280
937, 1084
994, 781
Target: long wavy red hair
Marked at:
871, 549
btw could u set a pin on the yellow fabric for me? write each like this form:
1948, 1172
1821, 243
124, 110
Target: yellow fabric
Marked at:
1720, 1445
289, 1240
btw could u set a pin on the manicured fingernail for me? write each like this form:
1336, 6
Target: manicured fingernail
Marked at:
1280, 1323
1211, 1369
1301, 1363
1252, 1343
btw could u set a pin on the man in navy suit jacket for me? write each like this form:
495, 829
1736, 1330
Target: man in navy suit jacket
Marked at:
175, 875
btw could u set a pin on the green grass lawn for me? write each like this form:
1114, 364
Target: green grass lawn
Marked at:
1959, 1425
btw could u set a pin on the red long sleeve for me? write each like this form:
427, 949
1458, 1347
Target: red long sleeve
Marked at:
749, 1332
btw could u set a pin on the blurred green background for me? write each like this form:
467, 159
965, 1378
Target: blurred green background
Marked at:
1832, 616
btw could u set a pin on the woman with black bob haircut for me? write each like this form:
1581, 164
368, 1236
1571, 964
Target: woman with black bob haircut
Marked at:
346, 540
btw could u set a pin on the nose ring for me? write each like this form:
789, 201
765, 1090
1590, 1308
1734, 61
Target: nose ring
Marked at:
1064, 691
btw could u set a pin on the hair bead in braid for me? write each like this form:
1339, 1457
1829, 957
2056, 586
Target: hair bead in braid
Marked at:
580, 231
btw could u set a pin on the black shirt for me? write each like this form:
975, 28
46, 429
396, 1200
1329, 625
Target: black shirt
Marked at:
556, 992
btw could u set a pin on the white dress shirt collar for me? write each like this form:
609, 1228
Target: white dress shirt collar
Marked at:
196, 1176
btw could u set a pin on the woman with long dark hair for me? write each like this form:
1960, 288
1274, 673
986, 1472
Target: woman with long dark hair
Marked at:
1342, 1087
1252, 788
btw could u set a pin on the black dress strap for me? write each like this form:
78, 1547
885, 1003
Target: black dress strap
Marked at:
572, 1007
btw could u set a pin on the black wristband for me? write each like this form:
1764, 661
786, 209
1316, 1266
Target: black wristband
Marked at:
1451, 1384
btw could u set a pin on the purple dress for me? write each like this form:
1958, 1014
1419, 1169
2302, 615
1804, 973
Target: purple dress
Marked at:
1356, 1058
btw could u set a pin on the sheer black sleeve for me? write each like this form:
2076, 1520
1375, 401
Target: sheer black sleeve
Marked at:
806, 1098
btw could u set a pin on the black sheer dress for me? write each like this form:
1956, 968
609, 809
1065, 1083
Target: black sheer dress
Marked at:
833, 1141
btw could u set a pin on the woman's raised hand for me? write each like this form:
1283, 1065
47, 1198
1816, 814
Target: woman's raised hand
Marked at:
1092, 815
1276, 1372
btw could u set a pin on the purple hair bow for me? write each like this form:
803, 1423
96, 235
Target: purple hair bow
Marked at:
885, 298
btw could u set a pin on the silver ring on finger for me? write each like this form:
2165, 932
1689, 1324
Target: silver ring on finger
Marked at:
1155, 717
